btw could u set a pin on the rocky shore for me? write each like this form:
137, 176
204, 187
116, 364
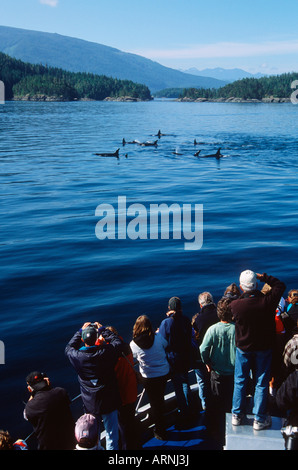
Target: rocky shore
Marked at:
233, 99
42, 97
130, 99
126, 99
39, 97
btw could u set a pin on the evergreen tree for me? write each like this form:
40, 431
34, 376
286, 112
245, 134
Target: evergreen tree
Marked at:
22, 79
278, 86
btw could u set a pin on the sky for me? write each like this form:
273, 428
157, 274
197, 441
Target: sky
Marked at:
255, 35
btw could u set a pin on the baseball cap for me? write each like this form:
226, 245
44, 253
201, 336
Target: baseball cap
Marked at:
175, 304
36, 380
89, 335
248, 280
86, 430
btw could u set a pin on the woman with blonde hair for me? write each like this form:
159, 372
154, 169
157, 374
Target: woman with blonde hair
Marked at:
148, 347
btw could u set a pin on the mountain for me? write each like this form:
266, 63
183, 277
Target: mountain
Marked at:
27, 81
227, 75
77, 55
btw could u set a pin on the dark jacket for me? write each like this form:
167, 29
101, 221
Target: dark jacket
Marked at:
290, 319
293, 313
203, 320
254, 316
50, 415
287, 398
177, 331
95, 366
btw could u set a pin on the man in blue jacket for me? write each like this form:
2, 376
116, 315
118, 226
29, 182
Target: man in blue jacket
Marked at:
176, 329
93, 352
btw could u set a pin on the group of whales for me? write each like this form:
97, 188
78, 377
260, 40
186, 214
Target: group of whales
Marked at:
154, 143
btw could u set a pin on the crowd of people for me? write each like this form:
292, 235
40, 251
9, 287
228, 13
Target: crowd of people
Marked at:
246, 344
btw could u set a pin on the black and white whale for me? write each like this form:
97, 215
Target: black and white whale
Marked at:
148, 144
213, 155
131, 142
160, 134
197, 153
108, 154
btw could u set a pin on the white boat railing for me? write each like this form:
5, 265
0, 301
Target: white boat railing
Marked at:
139, 409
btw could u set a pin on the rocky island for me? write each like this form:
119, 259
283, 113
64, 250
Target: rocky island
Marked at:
272, 89
233, 99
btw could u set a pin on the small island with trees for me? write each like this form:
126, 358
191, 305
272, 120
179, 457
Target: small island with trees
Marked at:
25, 81
271, 89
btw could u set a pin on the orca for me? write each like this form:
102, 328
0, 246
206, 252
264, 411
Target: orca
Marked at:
108, 154
148, 144
197, 153
195, 142
176, 153
132, 142
160, 134
214, 155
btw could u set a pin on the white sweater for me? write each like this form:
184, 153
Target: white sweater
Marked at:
153, 361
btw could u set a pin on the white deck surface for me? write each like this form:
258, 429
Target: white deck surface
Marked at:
244, 437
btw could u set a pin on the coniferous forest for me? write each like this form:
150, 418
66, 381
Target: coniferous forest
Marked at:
247, 88
27, 80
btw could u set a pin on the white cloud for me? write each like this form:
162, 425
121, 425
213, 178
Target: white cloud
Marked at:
223, 49
50, 3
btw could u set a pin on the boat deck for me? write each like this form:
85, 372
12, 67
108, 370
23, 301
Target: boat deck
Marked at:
193, 438
244, 437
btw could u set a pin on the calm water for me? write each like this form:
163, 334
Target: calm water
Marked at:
55, 274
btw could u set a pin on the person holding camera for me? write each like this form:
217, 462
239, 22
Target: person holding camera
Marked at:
290, 315
93, 351
254, 317
48, 411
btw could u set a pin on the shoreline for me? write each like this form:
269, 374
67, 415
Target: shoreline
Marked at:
130, 99
233, 99
39, 97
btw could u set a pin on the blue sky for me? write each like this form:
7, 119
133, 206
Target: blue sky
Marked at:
256, 35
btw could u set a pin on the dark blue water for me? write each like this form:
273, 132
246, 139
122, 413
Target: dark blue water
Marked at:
55, 274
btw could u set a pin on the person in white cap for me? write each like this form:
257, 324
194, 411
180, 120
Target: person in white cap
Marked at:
254, 316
